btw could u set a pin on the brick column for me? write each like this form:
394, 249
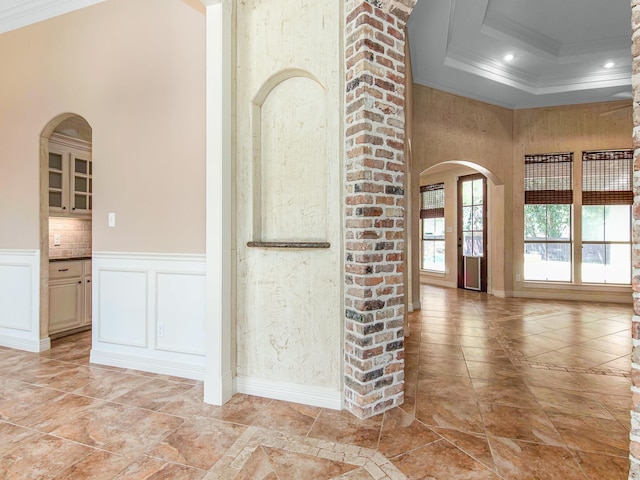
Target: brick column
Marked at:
374, 205
634, 447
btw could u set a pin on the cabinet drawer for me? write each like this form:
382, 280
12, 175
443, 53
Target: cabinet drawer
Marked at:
59, 270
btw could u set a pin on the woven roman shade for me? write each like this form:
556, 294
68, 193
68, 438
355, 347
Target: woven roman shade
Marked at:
432, 201
548, 178
607, 177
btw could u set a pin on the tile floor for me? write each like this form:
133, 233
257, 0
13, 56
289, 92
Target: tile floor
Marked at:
511, 389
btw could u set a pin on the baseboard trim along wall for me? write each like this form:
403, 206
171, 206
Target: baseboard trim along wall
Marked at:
20, 300
289, 392
147, 364
149, 312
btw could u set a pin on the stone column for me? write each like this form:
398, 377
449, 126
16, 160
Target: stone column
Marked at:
374, 205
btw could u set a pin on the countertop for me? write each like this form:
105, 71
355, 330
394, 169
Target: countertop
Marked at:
68, 259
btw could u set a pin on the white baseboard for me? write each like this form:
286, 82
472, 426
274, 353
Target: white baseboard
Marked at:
502, 293
429, 280
151, 365
25, 344
576, 295
304, 394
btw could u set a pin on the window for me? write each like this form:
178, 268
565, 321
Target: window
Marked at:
548, 186
432, 219
473, 218
607, 196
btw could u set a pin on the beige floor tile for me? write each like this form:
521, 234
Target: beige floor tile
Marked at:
153, 468
461, 382
474, 445
442, 461
519, 424
517, 460
343, 427
287, 417
570, 402
200, 442
402, 433
591, 434
603, 467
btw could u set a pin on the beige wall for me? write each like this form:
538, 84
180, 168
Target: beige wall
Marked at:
448, 127
135, 71
573, 128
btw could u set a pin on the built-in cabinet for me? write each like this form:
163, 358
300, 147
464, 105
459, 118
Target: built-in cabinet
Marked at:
69, 296
70, 176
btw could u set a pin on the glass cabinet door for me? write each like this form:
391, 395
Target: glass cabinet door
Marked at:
81, 185
57, 201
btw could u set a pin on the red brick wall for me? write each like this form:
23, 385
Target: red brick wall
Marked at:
374, 205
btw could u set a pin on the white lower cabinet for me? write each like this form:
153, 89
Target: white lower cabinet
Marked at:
69, 295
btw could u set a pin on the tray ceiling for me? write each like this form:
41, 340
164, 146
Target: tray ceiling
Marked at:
559, 50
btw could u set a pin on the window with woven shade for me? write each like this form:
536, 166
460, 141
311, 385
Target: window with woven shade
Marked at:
607, 177
432, 201
607, 196
548, 198
548, 179
432, 225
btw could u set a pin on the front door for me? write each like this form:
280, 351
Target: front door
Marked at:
472, 237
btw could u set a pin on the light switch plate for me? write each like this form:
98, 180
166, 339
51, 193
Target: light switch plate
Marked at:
112, 219
56, 239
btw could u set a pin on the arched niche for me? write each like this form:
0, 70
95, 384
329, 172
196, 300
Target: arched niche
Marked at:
290, 164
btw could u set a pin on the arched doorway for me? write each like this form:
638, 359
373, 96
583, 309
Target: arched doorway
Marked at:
441, 232
66, 201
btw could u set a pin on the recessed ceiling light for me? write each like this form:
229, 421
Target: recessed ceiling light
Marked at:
508, 57
609, 65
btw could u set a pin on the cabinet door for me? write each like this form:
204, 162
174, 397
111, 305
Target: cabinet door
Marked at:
87, 300
65, 305
58, 181
81, 184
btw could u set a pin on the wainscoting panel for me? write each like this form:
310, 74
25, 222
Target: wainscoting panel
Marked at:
149, 312
19, 299
122, 300
180, 312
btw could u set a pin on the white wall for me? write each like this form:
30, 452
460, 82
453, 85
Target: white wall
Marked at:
289, 176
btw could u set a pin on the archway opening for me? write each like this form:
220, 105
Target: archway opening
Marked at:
66, 201
453, 230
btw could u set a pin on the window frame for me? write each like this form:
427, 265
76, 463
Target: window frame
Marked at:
605, 183
550, 178
432, 208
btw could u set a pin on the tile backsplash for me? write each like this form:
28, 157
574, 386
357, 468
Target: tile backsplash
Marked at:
75, 237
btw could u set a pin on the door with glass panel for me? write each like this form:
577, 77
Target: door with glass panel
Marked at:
472, 237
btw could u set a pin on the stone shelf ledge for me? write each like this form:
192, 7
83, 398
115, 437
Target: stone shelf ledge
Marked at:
288, 244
